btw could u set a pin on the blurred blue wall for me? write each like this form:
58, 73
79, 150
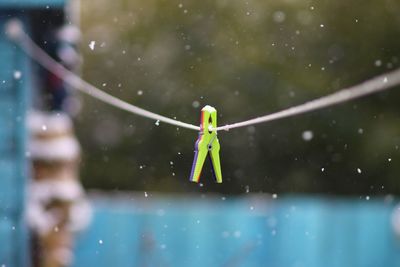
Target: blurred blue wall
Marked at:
14, 91
250, 231
16, 86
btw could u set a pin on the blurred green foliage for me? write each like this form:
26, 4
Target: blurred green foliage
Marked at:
246, 58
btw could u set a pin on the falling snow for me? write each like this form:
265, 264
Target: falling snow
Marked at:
17, 75
92, 44
307, 135
279, 16
237, 234
195, 104
247, 188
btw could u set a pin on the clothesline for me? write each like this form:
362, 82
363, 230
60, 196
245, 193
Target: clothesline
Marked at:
16, 33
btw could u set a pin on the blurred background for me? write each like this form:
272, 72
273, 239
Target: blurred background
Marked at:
319, 189
246, 58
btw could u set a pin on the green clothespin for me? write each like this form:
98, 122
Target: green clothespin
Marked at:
207, 143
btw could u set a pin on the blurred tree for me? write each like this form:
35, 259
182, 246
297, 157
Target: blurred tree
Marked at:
246, 58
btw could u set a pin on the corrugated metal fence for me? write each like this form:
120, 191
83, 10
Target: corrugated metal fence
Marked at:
249, 231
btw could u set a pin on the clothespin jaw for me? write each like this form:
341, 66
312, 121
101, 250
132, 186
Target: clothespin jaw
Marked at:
207, 143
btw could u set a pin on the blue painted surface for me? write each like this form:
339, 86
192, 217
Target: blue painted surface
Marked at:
14, 102
13, 166
253, 231
31, 3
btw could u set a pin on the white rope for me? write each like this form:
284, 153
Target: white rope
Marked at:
374, 85
15, 31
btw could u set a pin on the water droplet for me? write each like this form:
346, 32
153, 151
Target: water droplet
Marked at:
274, 196
389, 159
322, 25
367, 197
358, 170
157, 123
100, 242
322, 169
145, 194
140, 92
